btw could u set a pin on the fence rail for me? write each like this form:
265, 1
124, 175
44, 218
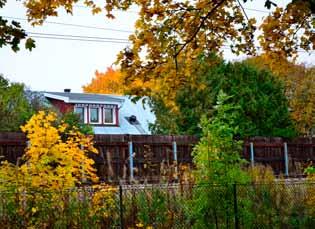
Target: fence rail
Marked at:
146, 157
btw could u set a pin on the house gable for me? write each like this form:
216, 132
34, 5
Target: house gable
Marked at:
61, 105
107, 114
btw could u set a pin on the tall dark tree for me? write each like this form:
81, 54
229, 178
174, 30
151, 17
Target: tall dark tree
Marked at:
259, 95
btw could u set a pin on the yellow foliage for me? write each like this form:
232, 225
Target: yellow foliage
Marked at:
310, 192
9, 175
299, 83
260, 174
170, 34
56, 159
54, 164
104, 201
287, 30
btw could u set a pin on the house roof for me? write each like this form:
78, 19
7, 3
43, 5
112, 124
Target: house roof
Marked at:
69, 97
127, 108
141, 110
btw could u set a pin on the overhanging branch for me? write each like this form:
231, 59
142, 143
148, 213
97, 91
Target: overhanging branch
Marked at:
199, 27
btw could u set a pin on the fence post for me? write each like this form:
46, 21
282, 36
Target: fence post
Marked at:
236, 219
130, 159
174, 151
121, 210
175, 158
252, 157
286, 160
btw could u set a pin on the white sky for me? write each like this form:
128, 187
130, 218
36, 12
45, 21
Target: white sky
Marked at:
57, 64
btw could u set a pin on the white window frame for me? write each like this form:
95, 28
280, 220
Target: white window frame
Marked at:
113, 113
84, 113
99, 115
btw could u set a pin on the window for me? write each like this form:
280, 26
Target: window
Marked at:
94, 115
108, 115
80, 112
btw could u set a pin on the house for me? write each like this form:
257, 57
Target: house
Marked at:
107, 114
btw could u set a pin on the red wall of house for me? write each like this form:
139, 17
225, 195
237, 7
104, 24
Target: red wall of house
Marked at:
62, 106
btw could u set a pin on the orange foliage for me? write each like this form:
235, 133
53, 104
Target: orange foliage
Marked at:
299, 82
110, 82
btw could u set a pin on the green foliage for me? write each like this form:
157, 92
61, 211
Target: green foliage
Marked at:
152, 206
73, 121
14, 107
310, 170
263, 108
218, 165
12, 34
217, 155
156, 206
166, 121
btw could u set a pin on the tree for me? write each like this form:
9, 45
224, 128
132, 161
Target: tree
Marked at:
302, 103
217, 154
260, 96
14, 107
73, 122
110, 82
171, 34
12, 34
44, 188
56, 159
299, 84
218, 166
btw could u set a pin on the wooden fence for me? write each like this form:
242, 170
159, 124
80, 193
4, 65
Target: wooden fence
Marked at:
287, 157
147, 157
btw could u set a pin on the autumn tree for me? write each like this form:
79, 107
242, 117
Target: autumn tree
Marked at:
263, 107
45, 187
11, 33
56, 158
299, 84
170, 34
110, 82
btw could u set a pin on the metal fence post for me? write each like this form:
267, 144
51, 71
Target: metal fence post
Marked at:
175, 151
175, 158
121, 210
130, 159
236, 219
252, 157
286, 160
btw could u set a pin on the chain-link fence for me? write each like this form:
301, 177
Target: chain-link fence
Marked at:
255, 205
259, 205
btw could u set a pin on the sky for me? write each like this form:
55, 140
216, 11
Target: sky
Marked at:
57, 64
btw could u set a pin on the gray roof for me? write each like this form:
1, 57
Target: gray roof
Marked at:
141, 111
70, 97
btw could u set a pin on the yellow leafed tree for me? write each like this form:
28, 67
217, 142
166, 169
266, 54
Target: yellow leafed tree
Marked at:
54, 159
110, 82
170, 34
44, 189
